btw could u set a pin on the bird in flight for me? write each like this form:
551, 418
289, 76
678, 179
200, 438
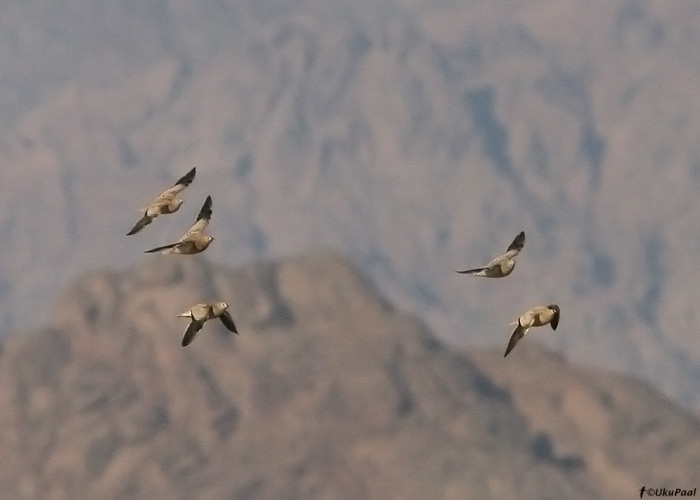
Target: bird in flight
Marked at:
537, 316
502, 265
194, 240
200, 313
165, 203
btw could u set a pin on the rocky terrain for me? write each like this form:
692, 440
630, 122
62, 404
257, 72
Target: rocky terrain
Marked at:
416, 136
329, 392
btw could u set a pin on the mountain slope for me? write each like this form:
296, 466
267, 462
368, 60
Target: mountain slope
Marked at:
328, 392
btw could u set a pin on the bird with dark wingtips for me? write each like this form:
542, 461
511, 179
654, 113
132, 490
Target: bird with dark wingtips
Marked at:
166, 203
502, 265
194, 240
200, 313
537, 316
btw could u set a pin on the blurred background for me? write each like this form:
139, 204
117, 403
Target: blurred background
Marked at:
406, 138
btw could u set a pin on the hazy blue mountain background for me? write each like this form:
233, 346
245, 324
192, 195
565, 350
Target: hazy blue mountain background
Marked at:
419, 137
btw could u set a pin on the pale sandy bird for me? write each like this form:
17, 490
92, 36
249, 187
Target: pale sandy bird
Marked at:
166, 203
537, 316
194, 240
502, 265
203, 312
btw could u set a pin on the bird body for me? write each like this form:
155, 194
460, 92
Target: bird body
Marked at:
200, 313
537, 316
502, 265
194, 240
166, 202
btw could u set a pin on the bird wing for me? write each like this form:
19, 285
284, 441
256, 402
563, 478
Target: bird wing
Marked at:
227, 320
555, 319
164, 247
518, 334
142, 222
509, 255
192, 329
512, 250
472, 271
517, 244
202, 219
179, 185
497, 261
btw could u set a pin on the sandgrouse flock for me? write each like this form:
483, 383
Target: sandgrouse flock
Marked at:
501, 267
194, 241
